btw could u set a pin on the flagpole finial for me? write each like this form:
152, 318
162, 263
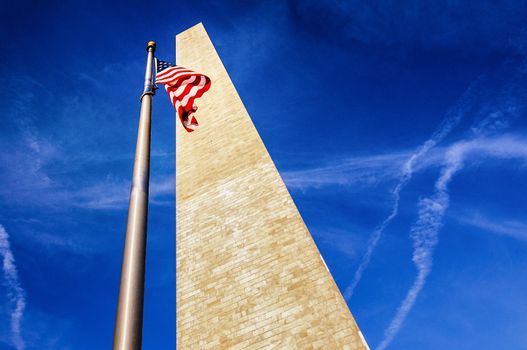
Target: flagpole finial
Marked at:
151, 44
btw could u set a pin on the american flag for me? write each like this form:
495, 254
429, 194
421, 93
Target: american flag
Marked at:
183, 87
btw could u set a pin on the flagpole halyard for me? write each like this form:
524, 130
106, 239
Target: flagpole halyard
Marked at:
129, 319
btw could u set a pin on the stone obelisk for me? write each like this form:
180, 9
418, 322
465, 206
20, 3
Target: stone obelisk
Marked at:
249, 275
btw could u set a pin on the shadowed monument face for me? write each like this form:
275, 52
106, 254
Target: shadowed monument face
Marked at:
249, 275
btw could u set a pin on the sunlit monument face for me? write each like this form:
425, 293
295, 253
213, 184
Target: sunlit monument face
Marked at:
248, 272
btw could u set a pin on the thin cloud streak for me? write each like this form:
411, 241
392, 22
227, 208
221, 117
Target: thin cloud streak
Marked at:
366, 170
115, 194
424, 236
14, 289
510, 228
24, 172
37, 170
424, 232
451, 120
380, 167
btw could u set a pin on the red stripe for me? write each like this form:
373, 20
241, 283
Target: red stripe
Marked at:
179, 82
193, 95
170, 70
183, 94
205, 85
165, 72
198, 93
177, 77
171, 77
174, 75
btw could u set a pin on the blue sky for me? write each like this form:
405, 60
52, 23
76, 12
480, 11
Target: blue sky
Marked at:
399, 127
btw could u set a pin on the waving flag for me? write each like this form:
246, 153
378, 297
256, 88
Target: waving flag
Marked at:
183, 87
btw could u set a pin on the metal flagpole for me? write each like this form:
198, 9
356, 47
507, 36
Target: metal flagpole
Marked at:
129, 319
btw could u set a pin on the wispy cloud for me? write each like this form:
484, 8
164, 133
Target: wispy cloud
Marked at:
424, 235
359, 171
492, 109
504, 227
14, 289
114, 194
371, 170
424, 232
33, 185
339, 240
76, 168
35, 170
451, 120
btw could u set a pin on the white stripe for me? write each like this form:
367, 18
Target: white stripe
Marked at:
183, 85
187, 122
173, 81
168, 71
194, 90
172, 69
189, 125
175, 74
177, 105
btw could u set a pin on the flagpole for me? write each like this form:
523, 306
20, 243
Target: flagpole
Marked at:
129, 319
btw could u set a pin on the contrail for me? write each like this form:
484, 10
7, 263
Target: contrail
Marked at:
452, 119
424, 233
14, 289
424, 236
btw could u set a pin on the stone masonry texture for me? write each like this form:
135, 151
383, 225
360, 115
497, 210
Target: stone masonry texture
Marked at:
249, 275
